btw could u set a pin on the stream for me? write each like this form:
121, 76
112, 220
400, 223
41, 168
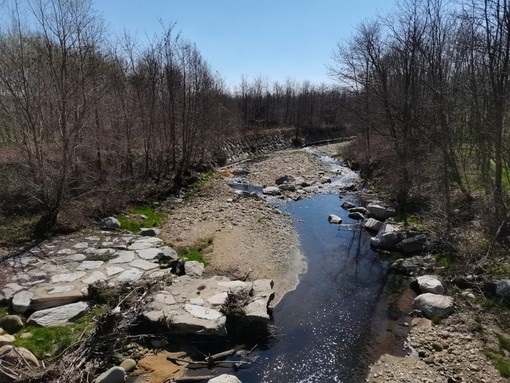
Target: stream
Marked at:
323, 327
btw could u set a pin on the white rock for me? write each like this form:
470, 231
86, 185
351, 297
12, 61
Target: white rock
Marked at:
94, 277
21, 301
334, 219
90, 265
60, 289
150, 253
114, 270
164, 299
130, 275
140, 245
434, 305
122, 256
224, 378
380, 212
372, 224
68, 277
271, 190
143, 264
217, 299
194, 268
81, 245
430, 284
58, 315
202, 312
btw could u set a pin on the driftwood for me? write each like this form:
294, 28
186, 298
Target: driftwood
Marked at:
211, 359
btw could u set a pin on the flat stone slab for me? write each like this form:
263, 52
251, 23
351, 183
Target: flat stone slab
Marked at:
202, 312
149, 253
68, 277
123, 256
58, 315
130, 275
90, 265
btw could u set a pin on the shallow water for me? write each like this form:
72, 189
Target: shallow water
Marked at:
325, 324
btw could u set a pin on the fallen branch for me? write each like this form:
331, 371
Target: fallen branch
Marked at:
192, 378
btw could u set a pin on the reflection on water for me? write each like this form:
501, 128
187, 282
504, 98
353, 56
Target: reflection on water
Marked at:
323, 325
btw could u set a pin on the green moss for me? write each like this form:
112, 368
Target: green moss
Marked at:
195, 252
3, 311
501, 363
504, 342
49, 341
133, 221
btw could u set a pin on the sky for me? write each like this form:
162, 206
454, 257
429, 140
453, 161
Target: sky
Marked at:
275, 39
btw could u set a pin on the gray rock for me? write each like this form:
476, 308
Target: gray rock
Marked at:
11, 323
169, 252
334, 219
287, 187
130, 275
361, 209
143, 264
122, 256
149, 254
71, 277
357, 215
434, 305
271, 190
430, 284
380, 212
347, 205
109, 223
202, 312
21, 301
113, 375
94, 277
284, 179
415, 244
149, 231
58, 315
194, 268
372, 224
128, 365
224, 378
414, 265
90, 265
503, 288
386, 241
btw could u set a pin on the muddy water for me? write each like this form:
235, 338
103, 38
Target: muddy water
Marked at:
323, 327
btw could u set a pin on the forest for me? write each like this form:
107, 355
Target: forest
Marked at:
90, 123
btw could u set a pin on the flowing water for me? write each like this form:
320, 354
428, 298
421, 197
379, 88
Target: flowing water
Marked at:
323, 327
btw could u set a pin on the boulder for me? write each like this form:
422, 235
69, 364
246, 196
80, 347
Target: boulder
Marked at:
109, 223
11, 323
503, 288
225, 378
380, 212
361, 209
271, 190
434, 305
357, 215
334, 219
386, 241
6, 339
21, 301
430, 284
413, 265
113, 375
194, 268
18, 356
58, 315
284, 179
128, 364
149, 231
287, 187
372, 224
347, 205
414, 244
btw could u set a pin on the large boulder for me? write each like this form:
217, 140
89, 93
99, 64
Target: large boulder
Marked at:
380, 212
434, 305
372, 224
430, 284
360, 209
334, 219
109, 223
224, 379
194, 268
347, 205
386, 241
58, 315
357, 215
503, 288
414, 244
21, 301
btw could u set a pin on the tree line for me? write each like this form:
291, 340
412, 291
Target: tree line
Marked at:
430, 89
83, 115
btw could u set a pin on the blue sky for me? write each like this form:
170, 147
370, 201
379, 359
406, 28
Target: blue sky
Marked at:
277, 39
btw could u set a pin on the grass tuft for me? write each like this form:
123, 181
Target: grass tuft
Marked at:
133, 221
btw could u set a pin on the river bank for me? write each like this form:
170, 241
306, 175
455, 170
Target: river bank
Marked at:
252, 239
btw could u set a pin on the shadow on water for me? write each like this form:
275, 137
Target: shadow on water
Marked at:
323, 326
